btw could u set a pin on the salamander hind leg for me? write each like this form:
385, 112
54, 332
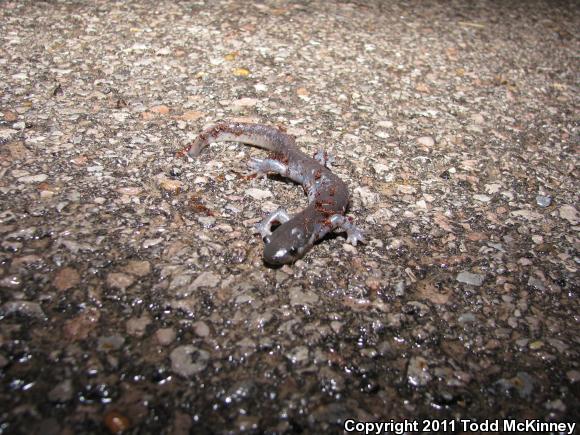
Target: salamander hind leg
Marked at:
265, 166
265, 227
354, 234
324, 158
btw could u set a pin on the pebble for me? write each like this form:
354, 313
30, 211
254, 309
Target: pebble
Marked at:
201, 329
95, 168
416, 307
6, 133
559, 345
420, 205
165, 336
192, 115
178, 282
63, 392
112, 342
200, 180
148, 243
385, 124
245, 102
406, 189
569, 213
258, 194
66, 278
524, 384
522, 342
418, 372
492, 188
536, 283
39, 178
303, 92
427, 141
6, 217
170, 185
160, 109
527, 214
239, 391
131, 191
206, 221
247, 347
25, 261
482, 198
299, 297
369, 352
347, 247
80, 326
27, 308
136, 325
188, 360
10, 116
116, 422
367, 196
11, 282
205, 279
467, 318
400, 288
543, 200
246, 424
470, 278
336, 326
19, 173
573, 375
11, 246
138, 268
556, 405
379, 168
23, 233
119, 281
298, 355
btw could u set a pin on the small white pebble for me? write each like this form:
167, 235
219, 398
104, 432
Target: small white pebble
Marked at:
427, 141
258, 194
349, 248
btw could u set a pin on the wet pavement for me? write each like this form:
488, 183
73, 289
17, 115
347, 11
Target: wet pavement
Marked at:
133, 294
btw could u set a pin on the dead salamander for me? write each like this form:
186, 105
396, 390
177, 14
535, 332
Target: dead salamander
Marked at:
327, 194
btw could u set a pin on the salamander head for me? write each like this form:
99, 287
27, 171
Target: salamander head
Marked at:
287, 244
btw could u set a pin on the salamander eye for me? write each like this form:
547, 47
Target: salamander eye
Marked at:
293, 251
267, 239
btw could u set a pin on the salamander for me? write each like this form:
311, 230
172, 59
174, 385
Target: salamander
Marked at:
328, 195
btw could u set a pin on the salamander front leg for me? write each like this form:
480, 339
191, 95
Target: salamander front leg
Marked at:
354, 235
265, 227
324, 158
264, 166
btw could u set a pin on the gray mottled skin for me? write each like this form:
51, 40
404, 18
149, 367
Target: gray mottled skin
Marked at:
327, 194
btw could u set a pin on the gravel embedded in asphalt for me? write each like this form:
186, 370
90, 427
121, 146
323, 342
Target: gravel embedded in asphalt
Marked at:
133, 295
